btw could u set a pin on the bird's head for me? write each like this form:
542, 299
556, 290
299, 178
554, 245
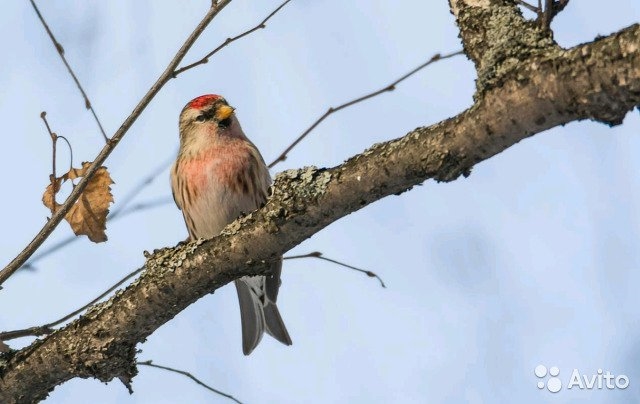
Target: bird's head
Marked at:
209, 114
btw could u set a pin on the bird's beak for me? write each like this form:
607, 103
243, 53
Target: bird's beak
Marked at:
223, 112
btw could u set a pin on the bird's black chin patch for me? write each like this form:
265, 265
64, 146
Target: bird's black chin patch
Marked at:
225, 123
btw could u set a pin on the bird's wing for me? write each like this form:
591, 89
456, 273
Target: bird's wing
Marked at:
175, 184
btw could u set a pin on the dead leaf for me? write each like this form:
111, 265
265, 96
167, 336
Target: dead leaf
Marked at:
88, 215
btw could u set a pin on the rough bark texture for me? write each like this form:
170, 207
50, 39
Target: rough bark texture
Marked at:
526, 84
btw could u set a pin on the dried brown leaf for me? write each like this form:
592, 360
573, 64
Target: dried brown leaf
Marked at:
88, 215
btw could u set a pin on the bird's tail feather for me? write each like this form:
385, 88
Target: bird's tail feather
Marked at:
251, 317
274, 324
257, 318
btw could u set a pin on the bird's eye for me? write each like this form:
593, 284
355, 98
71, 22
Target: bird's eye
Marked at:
201, 118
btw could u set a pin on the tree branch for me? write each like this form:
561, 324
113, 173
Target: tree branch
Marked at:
192, 377
600, 81
389, 87
205, 59
528, 6
318, 255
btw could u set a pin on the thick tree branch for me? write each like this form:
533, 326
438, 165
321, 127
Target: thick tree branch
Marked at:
497, 38
551, 87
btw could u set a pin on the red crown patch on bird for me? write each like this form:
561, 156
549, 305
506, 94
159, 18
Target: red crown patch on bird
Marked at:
203, 100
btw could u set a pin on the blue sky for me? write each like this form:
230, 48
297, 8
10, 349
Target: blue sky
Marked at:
531, 260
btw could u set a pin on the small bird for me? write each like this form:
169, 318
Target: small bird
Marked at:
218, 176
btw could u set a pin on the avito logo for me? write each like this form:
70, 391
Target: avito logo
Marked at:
550, 378
598, 381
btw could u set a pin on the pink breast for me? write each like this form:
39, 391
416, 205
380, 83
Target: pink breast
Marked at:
220, 165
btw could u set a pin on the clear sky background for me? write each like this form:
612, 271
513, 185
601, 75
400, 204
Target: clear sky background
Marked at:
531, 260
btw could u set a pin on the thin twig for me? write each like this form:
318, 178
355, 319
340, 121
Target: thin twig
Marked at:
48, 328
166, 75
559, 5
317, 254
54, 140
547, 15
227, 41
60, 51
190, 376
528, 6
70, 151
145, 205
332, 110
551, 9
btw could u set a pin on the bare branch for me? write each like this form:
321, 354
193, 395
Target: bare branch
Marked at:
546, 17
205, 59
551, 9
190, 376
332, 110
60, 51
166, 75
54, 139
35, 331
70, 150
318, 254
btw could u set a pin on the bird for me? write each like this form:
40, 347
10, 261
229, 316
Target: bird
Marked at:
219, 175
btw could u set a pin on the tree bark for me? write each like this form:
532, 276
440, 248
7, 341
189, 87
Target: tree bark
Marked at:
526, 84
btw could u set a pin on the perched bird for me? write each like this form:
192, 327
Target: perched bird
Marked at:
219, 175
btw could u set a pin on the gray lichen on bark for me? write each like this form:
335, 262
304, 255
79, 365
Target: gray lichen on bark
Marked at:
498, 39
